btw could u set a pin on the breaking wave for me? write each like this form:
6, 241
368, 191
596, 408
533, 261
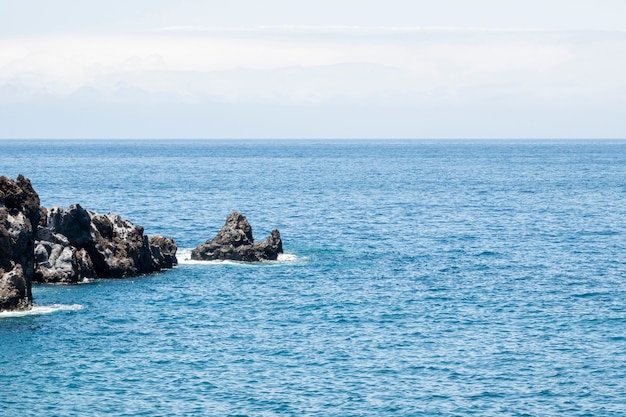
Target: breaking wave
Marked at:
184, 258
287, 257
39, 310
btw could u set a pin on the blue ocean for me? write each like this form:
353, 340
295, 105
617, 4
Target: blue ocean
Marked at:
420, 278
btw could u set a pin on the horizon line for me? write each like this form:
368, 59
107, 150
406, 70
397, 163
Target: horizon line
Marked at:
573, 139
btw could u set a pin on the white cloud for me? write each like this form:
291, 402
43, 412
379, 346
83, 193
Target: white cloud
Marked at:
438, 58
407, 68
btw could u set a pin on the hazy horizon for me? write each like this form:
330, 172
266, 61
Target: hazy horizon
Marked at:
315, 70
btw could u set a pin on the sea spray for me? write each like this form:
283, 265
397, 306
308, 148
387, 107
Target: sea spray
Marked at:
37, 310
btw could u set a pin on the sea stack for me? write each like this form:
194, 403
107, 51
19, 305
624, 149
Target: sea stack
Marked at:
19, 216
235, 242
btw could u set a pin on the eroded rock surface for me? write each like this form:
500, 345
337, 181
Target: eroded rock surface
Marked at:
74, 244
58, 261
19, 216
163, 252
235, 242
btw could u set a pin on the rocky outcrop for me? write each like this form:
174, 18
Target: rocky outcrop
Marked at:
74, 244
19, 216
58, 261
67, 245
163, 252
235, 242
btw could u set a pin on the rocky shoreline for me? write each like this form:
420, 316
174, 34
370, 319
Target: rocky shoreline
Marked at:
73, 244
67, 246
19, 217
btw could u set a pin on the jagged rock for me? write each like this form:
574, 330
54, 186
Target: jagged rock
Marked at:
73, 223
58, 261
235, 242
75, 243
67, 246
163, 252
121, 249
271, 247
13, 287
19, 216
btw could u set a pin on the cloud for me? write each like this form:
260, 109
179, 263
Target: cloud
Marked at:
61, 65
363, 30
408, 69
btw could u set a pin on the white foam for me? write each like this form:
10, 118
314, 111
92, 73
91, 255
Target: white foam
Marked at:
39, 310
184, 258
287, 257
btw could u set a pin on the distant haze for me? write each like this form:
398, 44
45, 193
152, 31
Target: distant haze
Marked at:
343, 69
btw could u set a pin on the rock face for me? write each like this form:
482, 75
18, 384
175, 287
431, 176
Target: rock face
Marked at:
58, 261
163, 252
19, 216
235, 242
74, 244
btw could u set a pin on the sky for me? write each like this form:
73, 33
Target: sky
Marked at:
312, 69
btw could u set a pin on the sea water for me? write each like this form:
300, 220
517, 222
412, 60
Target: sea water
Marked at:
449, 278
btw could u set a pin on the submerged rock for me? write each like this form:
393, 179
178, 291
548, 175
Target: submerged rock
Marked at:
74, 244
19, 216
235, 242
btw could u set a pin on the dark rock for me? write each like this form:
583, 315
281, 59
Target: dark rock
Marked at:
73, 223
235, 242
19, 196
163, 252
121, 249
272, 246
83, 264
13, 290
67, 246
236, 231
74, 244
58, 261
19, 216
